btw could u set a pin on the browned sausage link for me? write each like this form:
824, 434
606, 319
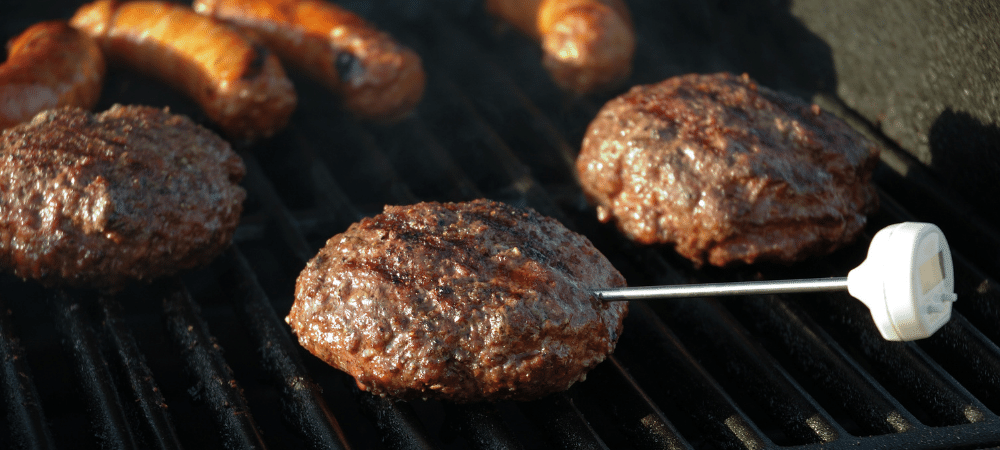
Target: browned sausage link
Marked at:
588, 44
377, 77
48, 65
241, 86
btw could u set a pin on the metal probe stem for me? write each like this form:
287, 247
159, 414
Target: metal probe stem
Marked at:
704, 290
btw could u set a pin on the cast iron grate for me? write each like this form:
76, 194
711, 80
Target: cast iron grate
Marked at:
204, 360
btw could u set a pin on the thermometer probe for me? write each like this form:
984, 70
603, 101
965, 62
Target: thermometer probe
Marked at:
907, 281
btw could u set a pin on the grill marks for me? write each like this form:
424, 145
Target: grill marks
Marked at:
507, 326
456, 244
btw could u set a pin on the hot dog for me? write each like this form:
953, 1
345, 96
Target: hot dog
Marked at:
588, 44
377, 77
48, 65
240, 85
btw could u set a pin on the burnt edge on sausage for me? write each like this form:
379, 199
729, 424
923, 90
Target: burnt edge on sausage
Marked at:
476, 301
348, 66
255, 67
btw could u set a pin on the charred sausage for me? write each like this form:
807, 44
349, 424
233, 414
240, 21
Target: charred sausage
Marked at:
377, 77
240, 85
588, 44
48, 65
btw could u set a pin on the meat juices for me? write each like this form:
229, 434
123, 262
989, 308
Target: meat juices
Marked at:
458, 301
239, 84
49, 65
588, 44
133, 193
377, 77
727, 171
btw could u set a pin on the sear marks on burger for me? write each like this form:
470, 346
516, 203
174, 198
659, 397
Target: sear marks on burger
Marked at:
476, 301
727, 171
96, 200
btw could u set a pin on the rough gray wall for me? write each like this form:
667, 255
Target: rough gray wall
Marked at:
928, 74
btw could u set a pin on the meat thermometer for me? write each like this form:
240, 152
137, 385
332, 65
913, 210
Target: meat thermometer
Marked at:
907, 281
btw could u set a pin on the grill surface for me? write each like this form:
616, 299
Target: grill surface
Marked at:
205, 360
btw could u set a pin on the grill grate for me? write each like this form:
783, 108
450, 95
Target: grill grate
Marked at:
204, 360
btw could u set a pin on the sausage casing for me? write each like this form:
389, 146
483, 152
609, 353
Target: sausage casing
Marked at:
48, 65
377, 77
588, 44
240, 85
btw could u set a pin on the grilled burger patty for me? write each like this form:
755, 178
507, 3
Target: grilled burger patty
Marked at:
459, 301
96, 200
727, 171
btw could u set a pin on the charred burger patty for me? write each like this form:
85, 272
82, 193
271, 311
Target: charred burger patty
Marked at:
727, 171
96, 200
458, 301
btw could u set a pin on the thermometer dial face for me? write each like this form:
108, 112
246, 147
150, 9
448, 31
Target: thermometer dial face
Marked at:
931, 273
933, 282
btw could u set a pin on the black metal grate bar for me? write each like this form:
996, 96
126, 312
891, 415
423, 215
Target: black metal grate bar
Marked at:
354, 158
305, 408
749, 371
810, 350
650, 345
422, 162
214, 383
642, 421
564, 425
331, 195
481, 425
150, 406
970, 356
261, 186
96, 384
397, 423
25, 417
902, 367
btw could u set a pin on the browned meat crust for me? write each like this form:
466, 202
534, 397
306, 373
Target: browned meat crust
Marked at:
588, 44
240, 85
727, 171
379, 78
465, 302
48, 65
133, 193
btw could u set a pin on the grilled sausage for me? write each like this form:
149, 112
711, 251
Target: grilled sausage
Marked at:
377, 77
48, 65
240, 85
588, 44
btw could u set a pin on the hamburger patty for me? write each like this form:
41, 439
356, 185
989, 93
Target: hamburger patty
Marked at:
133, 193
727, 171
458, 301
